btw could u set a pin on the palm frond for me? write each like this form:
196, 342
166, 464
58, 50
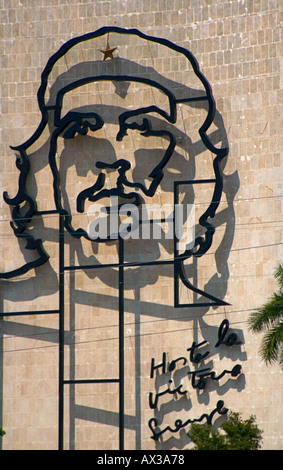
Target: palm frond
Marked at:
267, 315
271, 345
279, 276
269, 318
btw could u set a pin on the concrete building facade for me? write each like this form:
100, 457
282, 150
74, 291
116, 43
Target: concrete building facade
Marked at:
122, 343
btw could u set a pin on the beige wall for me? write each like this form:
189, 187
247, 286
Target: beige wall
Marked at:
237, 45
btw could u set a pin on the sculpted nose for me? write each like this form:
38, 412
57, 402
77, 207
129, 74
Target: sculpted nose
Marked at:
121, 166
119, 180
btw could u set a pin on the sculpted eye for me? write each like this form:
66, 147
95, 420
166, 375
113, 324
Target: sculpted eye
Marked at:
80, 124
143, 126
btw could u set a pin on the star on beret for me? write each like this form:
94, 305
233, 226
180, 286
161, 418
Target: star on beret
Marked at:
108, 52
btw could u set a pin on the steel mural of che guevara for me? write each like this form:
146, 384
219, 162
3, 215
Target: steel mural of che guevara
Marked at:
129, 157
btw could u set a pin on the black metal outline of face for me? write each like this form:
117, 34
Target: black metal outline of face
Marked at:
80, 125
20, 221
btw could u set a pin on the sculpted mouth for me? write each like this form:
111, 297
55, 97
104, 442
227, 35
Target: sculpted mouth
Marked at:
97, 191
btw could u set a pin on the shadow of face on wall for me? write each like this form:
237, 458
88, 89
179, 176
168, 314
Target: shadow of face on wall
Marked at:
121, 140
100, 153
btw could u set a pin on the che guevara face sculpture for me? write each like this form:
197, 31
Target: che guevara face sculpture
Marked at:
110, 171
130, 178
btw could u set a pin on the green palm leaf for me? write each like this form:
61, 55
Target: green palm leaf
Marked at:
269, 318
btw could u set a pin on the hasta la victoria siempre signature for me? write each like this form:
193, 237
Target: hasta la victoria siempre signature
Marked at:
198, 382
